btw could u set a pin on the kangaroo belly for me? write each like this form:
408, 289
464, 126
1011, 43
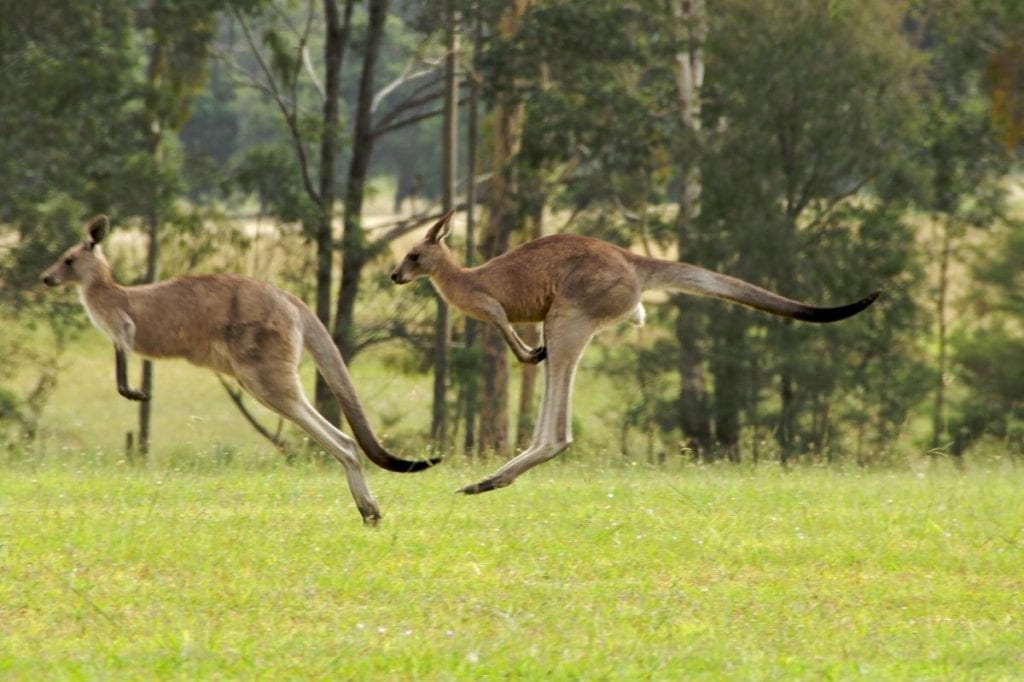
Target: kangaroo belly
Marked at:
532, 311
170, 340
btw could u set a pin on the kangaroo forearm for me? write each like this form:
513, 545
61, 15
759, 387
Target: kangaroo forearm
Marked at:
121, 375
522, 351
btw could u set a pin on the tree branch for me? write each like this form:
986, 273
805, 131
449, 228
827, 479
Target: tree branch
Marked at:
302, 49
380, 131
289, 114
275, 438
414, 100
407, 76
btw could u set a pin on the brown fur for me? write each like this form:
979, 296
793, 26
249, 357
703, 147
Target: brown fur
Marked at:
236, 326
576, 286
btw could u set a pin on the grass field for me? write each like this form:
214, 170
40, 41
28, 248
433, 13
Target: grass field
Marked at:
576, 572
218, 561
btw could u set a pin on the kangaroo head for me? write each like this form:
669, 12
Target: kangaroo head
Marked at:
84, 261
426, 257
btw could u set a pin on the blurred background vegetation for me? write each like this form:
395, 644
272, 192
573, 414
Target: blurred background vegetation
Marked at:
821, 149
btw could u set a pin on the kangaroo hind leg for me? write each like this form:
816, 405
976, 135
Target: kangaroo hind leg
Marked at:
567, 339
282, 393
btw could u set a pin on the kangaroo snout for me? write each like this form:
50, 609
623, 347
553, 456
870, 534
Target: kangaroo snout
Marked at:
49, 280
396, 276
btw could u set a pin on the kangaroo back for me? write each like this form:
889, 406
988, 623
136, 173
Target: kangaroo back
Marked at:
662, 274
320, 345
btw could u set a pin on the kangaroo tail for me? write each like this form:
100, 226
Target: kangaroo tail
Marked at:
660, 274
320, 345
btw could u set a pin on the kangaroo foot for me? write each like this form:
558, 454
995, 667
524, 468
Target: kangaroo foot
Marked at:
490, 483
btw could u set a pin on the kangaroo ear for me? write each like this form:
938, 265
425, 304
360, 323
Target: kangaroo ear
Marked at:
441, 229
96, 230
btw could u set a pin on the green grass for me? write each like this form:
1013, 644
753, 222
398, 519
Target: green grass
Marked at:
575, 572
219, 561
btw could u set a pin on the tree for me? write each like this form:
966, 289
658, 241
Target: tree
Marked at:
178, 36
502, 219
73, 145
281, 78
468, 362
989, 355
802, 133
966, 44
976, 75
690, 20
449, 158
355, 250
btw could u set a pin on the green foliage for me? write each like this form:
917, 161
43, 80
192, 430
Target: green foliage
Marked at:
67, 113
995, 407
989, 355
210, 137
596, 106
271, 173
830, 133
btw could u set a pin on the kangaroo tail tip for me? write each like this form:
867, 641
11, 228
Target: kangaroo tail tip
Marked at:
390, 462
840, 312
413, 467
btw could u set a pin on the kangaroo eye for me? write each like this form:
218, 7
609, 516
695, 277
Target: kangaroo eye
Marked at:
68, 261
414, 257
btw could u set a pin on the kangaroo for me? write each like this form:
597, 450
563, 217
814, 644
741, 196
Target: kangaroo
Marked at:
236, 326
575, 285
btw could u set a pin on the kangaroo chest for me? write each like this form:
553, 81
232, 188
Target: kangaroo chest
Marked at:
104, 313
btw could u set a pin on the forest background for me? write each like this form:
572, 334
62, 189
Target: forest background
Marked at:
820, 149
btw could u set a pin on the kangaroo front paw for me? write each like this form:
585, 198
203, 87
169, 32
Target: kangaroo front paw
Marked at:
537, 355
132, 394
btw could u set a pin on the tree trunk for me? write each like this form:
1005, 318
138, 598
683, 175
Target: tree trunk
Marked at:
336, 39
527, 388
355, 249
694, 414
939, 430
153, 76
493, 436
727, 367
470, 386
442, 326
152, 272
786, 430
528, 372
502, 220
691, 21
